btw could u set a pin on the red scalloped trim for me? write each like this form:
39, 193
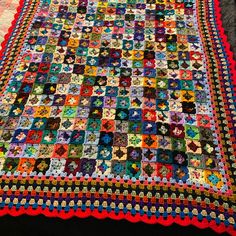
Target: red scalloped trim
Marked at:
137, 218
128, 216
11, 29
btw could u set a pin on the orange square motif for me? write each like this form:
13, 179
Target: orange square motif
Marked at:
149, 141
108, 125
60, 151
72, 100
26, 165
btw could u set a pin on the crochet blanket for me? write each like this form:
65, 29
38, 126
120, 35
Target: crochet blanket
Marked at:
119, 108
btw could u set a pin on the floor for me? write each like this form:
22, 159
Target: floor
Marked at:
229, 21
7, 12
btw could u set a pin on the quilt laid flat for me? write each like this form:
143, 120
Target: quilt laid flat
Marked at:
119, 108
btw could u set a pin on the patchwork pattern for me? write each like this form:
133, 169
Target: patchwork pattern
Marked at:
111, 87
120, 108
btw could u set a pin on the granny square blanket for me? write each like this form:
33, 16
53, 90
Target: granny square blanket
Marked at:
119, 108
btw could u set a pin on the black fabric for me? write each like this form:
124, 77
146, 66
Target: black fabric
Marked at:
42, 226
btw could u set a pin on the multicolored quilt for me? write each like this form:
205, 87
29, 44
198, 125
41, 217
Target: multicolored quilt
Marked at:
119, 108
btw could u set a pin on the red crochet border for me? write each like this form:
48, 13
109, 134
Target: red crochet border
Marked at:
137, 218
128, 216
